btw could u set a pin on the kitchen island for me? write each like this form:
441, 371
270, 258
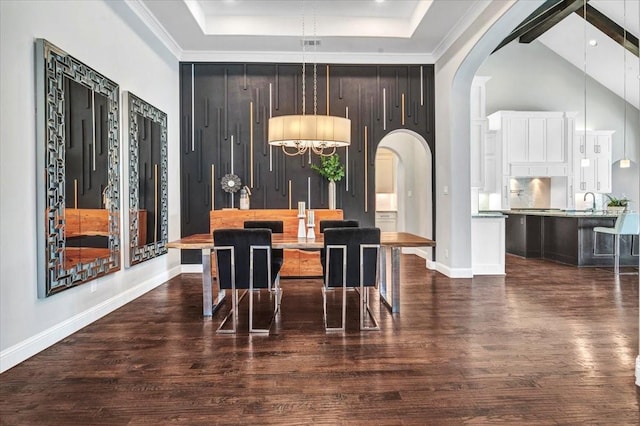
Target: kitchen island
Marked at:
567, 236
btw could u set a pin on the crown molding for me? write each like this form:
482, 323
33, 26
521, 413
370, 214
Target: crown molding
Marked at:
155, 26
295, 57
461, 26
148, 19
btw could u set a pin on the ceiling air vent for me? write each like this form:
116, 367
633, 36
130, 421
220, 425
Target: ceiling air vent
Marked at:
311, 42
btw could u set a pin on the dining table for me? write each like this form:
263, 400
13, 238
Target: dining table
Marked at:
393, 241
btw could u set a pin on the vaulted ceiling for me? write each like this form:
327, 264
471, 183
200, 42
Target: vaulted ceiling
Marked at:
374, 31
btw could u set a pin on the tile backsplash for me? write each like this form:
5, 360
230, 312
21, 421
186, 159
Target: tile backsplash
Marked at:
530, 192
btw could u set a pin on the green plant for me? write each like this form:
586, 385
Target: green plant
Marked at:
330, 168
617, 202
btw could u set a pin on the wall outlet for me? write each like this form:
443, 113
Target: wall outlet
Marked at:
446, 253
445, 190
94, 286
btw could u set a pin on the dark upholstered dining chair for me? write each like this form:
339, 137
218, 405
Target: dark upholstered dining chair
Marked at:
277, 255
331, 223
243, 261
347, 223
352, 262
277, 227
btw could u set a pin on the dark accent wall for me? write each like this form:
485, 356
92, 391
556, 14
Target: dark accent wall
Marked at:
149, 153
218, 100
80, 143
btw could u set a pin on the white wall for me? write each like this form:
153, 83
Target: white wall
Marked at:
414, 183
100, 34
531, 77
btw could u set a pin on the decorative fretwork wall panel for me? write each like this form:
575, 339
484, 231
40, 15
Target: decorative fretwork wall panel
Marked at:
225, 108
67, 91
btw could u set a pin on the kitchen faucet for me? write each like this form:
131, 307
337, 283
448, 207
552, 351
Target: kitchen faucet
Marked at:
593, 198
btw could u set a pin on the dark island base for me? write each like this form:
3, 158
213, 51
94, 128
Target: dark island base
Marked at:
567, 239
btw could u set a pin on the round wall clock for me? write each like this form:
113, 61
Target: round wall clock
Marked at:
230, 183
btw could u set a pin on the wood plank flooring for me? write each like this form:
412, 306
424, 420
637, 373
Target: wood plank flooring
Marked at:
549, 344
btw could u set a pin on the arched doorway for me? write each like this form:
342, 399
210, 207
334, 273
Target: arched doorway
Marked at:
413, 185
454, 73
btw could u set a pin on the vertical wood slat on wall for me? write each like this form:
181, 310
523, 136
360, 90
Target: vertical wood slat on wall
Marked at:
226, 90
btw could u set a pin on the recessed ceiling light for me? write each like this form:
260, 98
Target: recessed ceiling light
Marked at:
593, 42
379, 1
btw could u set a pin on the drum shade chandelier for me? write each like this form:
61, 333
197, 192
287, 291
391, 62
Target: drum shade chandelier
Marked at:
320, 134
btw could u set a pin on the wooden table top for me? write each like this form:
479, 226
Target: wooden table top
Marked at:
280, 241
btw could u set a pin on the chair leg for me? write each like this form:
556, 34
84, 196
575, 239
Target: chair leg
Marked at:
324, 305
251, 329
330, 249
616, 255
252, 290
235, 302
365, 309
278, 294
344, 310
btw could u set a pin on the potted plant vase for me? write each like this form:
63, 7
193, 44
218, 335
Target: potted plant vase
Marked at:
617, 205
332, 169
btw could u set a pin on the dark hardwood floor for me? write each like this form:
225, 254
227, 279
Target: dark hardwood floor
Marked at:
548, 344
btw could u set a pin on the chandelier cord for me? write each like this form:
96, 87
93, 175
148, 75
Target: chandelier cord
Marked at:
315, 62
584, 12
624, 78
303, 63
299, 134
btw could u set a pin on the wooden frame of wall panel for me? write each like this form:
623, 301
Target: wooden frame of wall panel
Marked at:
297, 263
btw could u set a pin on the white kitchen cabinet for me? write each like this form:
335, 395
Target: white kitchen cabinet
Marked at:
385, 172
478, 131
596, 175
517, 129
477, 141
505, 192
477, 98
387, 221
488, 244
523, 170
532, 136
533, 144
555, 140
491, 169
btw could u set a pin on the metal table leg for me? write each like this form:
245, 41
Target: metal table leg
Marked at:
395, 279
383, 276
208, 307
394, 305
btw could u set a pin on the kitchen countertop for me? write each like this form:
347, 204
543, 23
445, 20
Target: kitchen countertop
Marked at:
489, 215
558, 212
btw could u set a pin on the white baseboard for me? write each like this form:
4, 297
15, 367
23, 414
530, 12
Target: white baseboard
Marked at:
430, 264
19, 352
443, 269
638, 370
193, 268
453, 272
417, 251
488, 270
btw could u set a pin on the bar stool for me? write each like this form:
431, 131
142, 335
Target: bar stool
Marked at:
626, 224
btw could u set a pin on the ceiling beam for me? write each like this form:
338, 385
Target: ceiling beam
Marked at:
611, 29
529, 22
562, 10
549, 10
